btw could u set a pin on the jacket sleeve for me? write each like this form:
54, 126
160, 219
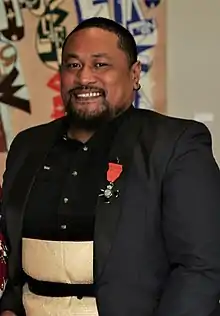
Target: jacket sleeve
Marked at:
191, 226
12, 295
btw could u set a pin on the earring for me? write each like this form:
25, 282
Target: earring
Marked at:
138, 88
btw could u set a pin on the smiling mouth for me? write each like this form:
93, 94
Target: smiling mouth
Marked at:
87, 95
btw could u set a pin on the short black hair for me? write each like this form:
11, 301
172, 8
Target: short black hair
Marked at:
126, 41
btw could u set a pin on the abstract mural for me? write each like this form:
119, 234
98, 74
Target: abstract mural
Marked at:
31, 37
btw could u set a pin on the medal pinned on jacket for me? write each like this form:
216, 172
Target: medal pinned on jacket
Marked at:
113, 173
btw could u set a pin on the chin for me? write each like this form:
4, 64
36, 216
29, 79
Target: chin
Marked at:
86, 114
88, 120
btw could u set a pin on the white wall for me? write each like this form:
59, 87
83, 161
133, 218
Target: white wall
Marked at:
193, 58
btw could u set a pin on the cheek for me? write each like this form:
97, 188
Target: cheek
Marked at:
114, 95
65, 86
66, 81
119, 92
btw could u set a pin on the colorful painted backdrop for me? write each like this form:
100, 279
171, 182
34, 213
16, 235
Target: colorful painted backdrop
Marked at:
31, 37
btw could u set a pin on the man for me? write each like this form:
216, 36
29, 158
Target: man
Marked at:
110, 210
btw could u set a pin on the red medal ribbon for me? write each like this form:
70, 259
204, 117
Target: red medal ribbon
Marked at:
114, 171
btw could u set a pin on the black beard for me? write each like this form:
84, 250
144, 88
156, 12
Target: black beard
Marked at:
86, 122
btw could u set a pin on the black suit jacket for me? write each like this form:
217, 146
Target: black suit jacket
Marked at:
156, 246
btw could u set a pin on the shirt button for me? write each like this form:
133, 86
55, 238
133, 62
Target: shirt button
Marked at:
63, 226
74, 173
65, 200
85, 148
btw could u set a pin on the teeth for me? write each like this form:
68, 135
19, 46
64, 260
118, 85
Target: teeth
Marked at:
88, 95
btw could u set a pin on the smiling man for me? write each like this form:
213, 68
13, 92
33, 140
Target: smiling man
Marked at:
111, 210
98, 77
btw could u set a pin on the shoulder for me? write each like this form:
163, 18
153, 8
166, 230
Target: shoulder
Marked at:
38, 129
164, 127
164, 138
31, 139
35, 134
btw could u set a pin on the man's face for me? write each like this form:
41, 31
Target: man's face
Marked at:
96, 80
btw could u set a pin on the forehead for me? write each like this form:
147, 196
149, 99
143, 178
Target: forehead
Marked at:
92, 41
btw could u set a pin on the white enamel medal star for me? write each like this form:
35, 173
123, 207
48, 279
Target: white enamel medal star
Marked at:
108, 193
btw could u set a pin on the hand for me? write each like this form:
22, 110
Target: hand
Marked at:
8, 313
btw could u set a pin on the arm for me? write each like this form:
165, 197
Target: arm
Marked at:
11, 300
191, 226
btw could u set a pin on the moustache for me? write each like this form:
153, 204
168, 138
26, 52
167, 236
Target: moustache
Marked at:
84, 89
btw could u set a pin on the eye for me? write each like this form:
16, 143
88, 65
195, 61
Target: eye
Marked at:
101, 65
72, 65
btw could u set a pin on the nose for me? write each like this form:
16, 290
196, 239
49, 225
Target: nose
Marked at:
86, 76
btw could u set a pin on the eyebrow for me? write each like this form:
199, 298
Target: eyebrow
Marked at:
96, 55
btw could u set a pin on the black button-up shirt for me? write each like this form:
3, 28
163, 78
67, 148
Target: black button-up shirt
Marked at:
61, 204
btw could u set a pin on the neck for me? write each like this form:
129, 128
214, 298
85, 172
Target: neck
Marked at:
79, 134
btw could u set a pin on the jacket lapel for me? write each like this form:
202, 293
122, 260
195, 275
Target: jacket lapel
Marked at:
108, 214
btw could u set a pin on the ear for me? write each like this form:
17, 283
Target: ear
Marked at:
136, 73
